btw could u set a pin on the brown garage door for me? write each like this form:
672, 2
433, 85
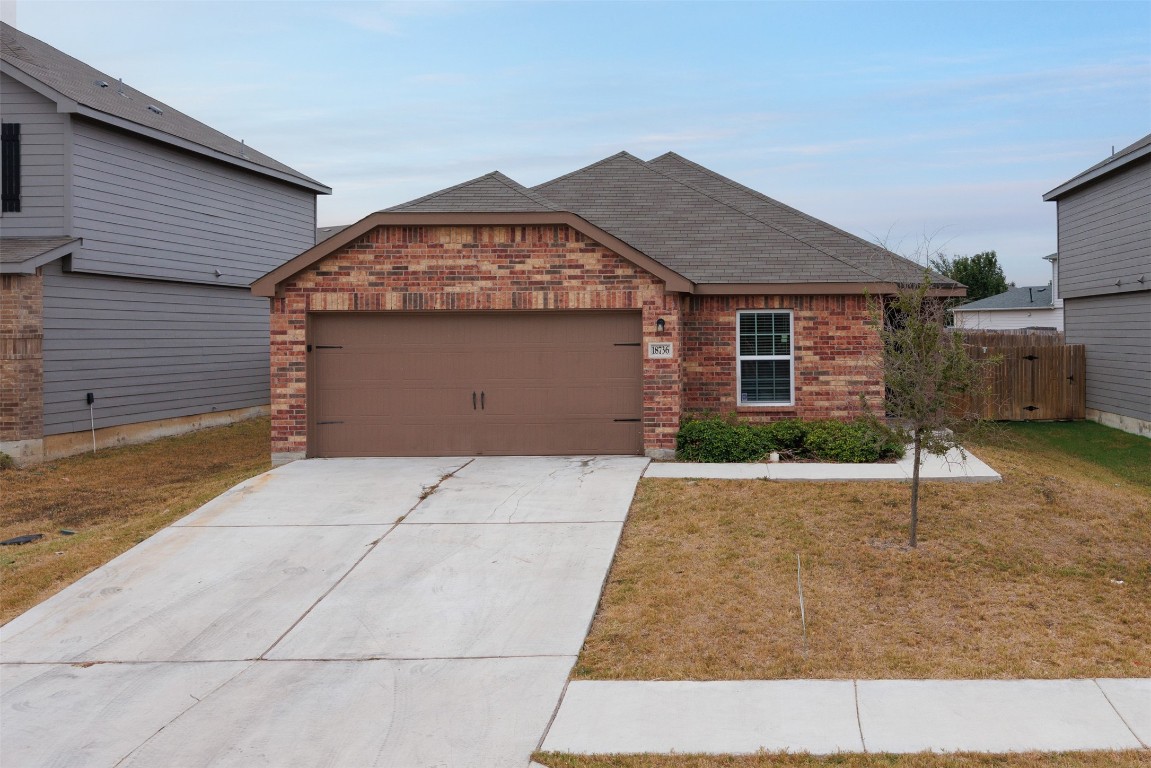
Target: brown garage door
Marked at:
506, 383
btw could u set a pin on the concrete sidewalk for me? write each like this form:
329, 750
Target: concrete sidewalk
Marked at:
953, 466
828, 716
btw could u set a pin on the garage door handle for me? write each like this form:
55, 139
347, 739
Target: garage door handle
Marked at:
481, 400
473, 401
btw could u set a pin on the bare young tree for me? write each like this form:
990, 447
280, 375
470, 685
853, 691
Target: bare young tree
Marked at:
928, 374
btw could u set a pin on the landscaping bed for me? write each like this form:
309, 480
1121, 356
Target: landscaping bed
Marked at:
716, 439
112, 500
1045, 575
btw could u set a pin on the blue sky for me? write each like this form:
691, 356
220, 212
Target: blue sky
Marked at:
890, 120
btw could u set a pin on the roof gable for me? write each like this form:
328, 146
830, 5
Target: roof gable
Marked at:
76, 87
490, 193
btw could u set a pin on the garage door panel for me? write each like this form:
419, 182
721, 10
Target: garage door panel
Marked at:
345, 403
424, 438
385, 366
581, 437
586, 362
587, 401
402, 384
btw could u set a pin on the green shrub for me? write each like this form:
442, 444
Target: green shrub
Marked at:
718, 440
788, 436
6, 461
852, 442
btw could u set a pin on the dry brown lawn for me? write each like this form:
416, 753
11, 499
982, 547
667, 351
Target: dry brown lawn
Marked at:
1045, 575
1129, 759
113, 499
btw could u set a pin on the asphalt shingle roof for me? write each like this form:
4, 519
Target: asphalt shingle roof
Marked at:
832, 241
694, 221
17, 250
491, 193
323, 233
79, 82
1025, 297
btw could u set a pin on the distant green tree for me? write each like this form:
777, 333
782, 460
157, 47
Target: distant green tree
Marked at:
981, 273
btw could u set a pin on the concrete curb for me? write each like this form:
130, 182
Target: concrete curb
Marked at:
953, 467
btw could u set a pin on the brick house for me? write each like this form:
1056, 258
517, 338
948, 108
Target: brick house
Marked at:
586, 315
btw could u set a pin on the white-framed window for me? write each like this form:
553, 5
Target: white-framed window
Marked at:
765, 370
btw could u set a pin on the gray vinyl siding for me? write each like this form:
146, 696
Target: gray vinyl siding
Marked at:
43, 162
147, 210
148, 349
1105, 234
1116, 330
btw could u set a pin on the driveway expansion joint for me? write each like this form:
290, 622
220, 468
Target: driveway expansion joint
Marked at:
1121, 716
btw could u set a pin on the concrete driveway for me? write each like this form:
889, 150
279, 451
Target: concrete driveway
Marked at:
340, 612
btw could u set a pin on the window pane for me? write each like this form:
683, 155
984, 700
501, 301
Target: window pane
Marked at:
765, 381
764, 333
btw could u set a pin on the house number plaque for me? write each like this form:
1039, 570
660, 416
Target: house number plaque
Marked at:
660, 349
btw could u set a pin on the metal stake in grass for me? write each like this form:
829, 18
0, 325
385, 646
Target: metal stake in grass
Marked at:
802, 613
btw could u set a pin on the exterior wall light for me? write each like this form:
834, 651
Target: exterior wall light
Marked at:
660, 324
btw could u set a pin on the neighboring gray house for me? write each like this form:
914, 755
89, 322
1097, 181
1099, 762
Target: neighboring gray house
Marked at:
1104, 217
1030, 306
130, 233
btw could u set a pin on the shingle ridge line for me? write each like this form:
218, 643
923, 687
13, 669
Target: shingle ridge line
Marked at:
518, 188
621, 153
445, 190
768, 224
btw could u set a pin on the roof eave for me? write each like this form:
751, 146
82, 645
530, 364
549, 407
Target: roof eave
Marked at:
29, 266
65, 105
814, 288
1078, 181
969, 308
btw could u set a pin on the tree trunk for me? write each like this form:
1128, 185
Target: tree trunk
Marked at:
918, 450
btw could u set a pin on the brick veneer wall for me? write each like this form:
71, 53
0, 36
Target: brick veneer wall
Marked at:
837, 356
469, 268
21, 357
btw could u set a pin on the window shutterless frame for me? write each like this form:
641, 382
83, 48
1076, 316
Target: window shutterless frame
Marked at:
10, 167
764, 344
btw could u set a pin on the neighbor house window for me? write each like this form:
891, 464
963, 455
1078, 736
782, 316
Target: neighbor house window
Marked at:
10, 167
764, 352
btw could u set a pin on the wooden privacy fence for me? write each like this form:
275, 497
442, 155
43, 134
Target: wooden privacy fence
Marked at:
1035, 377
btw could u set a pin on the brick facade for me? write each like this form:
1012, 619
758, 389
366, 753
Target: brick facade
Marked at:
21, 357
470, 268
837, 356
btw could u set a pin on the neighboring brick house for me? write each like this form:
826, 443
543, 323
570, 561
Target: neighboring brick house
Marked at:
1104, 224
128, 238
586, 315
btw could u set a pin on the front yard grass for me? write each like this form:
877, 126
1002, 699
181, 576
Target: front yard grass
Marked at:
1128, 759
113, 500
1045, 575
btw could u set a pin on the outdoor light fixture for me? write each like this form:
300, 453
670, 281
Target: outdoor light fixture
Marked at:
660, 325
